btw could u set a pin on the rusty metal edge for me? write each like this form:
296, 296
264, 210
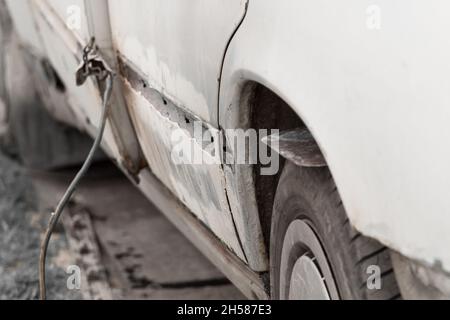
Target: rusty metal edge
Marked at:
252, 284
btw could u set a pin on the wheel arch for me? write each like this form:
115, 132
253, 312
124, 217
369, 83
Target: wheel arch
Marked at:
256, 105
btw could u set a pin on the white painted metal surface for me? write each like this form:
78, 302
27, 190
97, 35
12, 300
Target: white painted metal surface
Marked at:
376, 100
200, 187
73, 13
178, 45
25, 24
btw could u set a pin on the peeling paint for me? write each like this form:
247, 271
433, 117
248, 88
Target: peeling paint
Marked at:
180, 47
200, 187
160, 76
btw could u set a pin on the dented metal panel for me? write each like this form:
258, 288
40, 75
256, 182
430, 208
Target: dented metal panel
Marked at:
178, 52
200, 187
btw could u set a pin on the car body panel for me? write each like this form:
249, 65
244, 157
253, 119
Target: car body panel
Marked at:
63, 50
67, 10
25, 24
200, 187
178, 45
62, 46
185, 71
376, 100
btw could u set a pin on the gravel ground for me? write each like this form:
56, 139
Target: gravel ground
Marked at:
20, 232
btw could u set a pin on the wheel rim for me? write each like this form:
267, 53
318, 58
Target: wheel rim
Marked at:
305, 272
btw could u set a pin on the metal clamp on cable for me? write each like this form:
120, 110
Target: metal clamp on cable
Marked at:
92, 65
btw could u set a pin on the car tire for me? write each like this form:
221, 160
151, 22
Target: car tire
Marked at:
315, 253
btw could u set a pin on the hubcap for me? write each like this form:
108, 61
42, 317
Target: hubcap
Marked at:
306, 281
305, 273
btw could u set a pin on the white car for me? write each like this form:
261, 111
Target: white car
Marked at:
358, 205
